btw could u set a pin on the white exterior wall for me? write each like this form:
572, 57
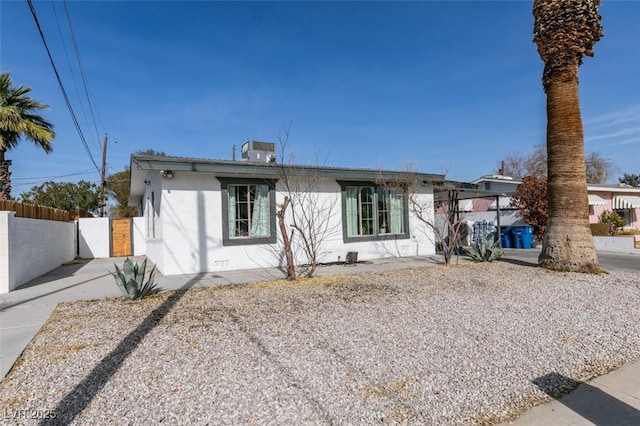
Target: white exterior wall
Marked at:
138, 230
507, 217
152, 226
94, 237
6, 280
506, 186
188, 229
32, 247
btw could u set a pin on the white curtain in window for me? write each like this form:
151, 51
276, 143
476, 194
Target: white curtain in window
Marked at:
260, 214
232, 211
397, 213
352, 212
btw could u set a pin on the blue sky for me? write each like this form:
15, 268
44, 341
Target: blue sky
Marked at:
446, 86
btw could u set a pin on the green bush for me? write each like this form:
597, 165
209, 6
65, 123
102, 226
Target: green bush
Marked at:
613, 219
130, 280
487, 249
601, 229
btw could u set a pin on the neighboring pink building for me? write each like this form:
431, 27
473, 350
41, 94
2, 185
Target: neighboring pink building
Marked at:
623, 199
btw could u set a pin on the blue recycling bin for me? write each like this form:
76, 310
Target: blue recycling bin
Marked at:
506, 237
527, 237
517, 237
522, 237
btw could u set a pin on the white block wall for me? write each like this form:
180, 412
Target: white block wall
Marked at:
138, 230
621, 244
32, 247
6, 282
94, 239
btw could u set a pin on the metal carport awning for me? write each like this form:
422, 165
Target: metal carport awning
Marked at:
596, 200
626, 202
505, 204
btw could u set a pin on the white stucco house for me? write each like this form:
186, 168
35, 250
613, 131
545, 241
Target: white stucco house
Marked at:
204, 215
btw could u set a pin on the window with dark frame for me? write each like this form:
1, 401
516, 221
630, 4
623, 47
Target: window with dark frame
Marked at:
625, 214
374, 211
248, 211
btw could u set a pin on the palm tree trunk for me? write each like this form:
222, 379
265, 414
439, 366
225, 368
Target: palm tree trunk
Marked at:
568, 243
5, 177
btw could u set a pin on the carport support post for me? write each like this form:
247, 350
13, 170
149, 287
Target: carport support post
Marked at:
498, 221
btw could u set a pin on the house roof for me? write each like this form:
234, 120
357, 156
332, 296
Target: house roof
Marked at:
590, 187
614, 188
498, 178
141, 165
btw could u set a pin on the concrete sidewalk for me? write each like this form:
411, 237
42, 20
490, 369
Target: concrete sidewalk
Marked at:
610, 399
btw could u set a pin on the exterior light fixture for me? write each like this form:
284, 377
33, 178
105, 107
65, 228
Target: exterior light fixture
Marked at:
166, 174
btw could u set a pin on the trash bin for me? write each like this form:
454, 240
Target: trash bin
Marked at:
506, 237
517, 237
527, 237
352, 257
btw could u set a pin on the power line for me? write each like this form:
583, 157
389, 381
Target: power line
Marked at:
73, 75
82, 172
64, 92
41, 182
82, 73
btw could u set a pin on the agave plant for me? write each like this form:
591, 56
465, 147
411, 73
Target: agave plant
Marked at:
487, 248
131, 281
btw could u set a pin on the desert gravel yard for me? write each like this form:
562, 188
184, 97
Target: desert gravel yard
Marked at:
469, 344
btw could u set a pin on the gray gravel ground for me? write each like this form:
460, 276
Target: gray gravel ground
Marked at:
469, 344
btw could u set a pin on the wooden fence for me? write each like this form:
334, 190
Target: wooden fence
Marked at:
34, 211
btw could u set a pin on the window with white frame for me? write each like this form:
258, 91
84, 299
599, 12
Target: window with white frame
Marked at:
371, 211
248, 211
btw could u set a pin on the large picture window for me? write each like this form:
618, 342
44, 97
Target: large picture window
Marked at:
248, 212
376, 212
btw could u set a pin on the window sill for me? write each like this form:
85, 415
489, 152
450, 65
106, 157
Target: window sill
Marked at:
248, 241
379, 237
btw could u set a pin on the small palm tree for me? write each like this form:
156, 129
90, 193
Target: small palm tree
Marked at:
19, 119
565, 31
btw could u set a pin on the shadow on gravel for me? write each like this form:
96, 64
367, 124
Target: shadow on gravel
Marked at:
296, 383
79, 398
519, 262
591, 403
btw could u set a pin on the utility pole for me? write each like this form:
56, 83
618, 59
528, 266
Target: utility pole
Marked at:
103, 182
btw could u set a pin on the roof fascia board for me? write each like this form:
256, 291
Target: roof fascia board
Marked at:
240, 168
598, 188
